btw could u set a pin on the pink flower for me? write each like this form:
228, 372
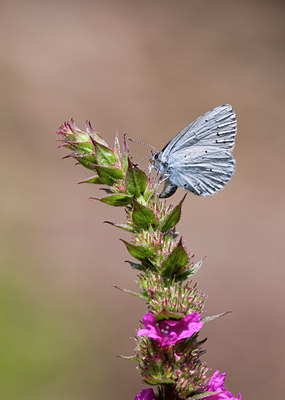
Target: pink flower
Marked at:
216, 384
170, 331
145, 394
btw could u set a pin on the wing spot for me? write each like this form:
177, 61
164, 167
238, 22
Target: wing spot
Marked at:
217, 141
206, 151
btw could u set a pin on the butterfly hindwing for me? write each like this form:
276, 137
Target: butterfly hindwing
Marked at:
202, 174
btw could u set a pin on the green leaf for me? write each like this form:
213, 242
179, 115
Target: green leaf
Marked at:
139, 252
136, 180
117, 145
202, 395
127, 228
109, 175
139, 267
92, 179
104, 155
124, 161
196, 267
107, 190
129, 358
143, 216
125, 155
83, 147
165, 314
186, 273
175, 261
145, 264
135, 294
94, 136
172, 218
211, 318
86, 160
117, 200
159, 380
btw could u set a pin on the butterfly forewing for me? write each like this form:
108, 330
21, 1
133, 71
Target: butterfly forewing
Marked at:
215, 128
199, 158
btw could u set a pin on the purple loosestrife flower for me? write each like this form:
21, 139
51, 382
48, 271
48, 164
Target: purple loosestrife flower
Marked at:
216, 384
170, 331
145, 394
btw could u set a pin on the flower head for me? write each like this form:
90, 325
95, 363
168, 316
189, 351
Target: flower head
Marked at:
145, 394
216, 384
170, 331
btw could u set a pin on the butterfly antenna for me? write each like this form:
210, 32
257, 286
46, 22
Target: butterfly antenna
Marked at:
145, 144
137, 164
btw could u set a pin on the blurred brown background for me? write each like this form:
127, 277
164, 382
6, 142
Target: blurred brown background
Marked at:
147, 68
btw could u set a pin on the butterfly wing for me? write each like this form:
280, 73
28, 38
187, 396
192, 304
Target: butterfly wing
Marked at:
199, 172
199, 158
217, 128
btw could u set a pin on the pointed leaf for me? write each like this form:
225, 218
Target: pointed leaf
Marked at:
145, 264
165, 314
135, 294
172, 218
202, 395
92, 179
139, 252
117, 144
104, 155
108, 175
117, 200
183, 274
187, 272
160, 380
86, 160
107, 190
139, 267
196, 267
211, 318
94, 136
175, 261
143, 216
129, 358
127, 228
136, 180
125, 155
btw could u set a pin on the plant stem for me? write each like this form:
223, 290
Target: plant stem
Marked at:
169, 393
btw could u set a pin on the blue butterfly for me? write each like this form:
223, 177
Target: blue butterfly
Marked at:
199, 158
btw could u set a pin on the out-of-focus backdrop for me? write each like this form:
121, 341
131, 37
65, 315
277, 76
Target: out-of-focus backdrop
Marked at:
147, 68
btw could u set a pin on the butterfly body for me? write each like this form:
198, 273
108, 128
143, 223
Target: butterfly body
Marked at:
198, 159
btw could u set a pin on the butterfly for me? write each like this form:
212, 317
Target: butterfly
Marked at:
199, 158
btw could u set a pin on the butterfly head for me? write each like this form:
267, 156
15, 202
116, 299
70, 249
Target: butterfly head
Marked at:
154, 161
